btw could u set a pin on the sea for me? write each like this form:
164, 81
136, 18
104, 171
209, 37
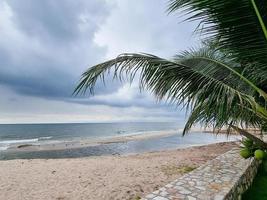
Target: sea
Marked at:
38, 134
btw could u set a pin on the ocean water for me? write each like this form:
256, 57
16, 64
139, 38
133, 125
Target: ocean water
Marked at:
58, 133
53, 133
50, 133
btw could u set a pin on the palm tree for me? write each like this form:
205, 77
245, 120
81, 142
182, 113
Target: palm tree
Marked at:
222, 83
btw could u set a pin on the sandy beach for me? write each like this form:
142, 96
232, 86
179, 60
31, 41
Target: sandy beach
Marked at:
102, 177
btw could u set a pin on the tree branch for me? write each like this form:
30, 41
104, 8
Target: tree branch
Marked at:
250, 136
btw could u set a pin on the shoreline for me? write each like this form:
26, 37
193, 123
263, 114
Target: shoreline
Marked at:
152, 141
62, 145
86, 142
101, 177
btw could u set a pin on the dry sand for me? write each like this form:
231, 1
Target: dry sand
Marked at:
103, 177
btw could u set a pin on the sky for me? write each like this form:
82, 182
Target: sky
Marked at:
45, 46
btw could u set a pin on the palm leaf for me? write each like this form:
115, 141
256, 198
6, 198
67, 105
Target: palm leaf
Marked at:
240, 26
263, 27
187, 80
214, 105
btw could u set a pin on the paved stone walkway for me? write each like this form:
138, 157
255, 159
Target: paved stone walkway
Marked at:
225, 177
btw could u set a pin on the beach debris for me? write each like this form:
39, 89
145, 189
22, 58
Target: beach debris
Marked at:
24, 145
60, 198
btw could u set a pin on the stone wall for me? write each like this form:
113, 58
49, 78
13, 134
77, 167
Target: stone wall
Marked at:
226, 177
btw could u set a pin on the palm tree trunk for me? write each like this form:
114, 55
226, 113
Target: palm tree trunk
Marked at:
250, 136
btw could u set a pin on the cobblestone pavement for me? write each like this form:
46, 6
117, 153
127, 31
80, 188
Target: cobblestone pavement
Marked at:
225, 177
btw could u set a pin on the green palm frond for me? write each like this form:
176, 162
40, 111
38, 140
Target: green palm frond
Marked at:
218, 116
216, 106
222, 66
260, 18
198, 80
125, 64
240, 25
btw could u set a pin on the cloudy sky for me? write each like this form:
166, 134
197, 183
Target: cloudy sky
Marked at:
46, 45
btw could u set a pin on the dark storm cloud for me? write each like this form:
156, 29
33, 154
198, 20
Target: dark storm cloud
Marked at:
49, 43
58, 20
46, 81
55, 45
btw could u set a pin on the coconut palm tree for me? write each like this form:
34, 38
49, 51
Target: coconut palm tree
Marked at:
223, 83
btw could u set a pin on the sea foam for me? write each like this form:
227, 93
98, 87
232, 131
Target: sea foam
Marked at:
5, 144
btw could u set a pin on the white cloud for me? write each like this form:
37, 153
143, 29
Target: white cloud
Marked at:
144, 26
127, 94
16, 108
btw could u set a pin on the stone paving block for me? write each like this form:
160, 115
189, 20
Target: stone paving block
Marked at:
160, 198
223, 178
